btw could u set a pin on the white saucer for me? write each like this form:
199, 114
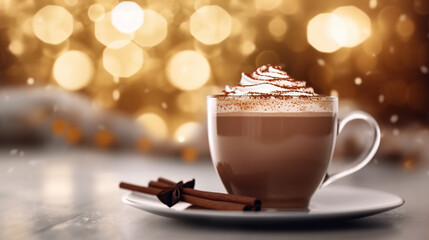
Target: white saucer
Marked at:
330, 203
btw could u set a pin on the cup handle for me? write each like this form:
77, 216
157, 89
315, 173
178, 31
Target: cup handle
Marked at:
365, 157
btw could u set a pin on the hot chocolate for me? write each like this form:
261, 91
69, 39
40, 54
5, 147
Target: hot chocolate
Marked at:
272, 137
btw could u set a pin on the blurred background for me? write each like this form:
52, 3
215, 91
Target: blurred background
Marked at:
134, 75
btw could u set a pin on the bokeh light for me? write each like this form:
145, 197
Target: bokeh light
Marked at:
127, 16
358, 80
357, 26
277, 27
124, 61
73, 70
188, 132
153, 31
188, 70
16, 47
247, 47
319, 32
53, 24
73, 135
154, 125
96, 12
373, 4
345, 27
210, 24
104, 138
108, 35
30, 81
394, 118
59, 126
404, 26
189, 154
116, 94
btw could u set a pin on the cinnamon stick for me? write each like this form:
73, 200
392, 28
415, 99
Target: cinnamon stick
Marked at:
215, 205
164, 180
162, 183
197, 201
136, 188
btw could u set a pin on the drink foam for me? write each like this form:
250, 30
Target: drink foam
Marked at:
273, 104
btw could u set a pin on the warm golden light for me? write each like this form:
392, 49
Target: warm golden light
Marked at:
373, 4
153, 31
211, 24
53, 24
4, 5
116, 94
30, 81
124, 61
319, 33
355, 26
108, 35
188, 132
247, 47
160, 59
188, 70
344, 27
127, 16
358, 81
277, 27
153, 124
16, 47
334, 93
96, 12
338, 30
73, 70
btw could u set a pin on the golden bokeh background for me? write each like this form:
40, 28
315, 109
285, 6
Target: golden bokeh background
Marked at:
156, 60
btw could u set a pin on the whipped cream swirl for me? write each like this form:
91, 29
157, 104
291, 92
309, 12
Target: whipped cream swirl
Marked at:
270, 80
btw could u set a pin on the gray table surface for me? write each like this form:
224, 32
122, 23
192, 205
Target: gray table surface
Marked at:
73, 194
